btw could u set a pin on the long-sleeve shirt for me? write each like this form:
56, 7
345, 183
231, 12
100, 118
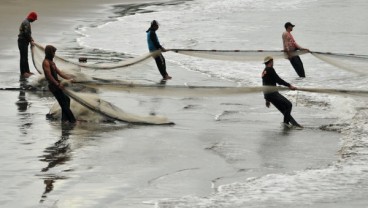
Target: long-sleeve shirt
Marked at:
289, 42
25, 31
271, 78
152, 40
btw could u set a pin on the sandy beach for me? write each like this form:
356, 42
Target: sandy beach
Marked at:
215, 140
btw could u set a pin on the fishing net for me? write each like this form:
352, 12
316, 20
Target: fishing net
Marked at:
236, 55
38, 55
350, 62
107, 109
205, 91
87, 106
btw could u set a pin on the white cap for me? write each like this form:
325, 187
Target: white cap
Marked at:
267, 59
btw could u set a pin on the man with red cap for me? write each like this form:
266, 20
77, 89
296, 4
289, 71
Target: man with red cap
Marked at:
24, 39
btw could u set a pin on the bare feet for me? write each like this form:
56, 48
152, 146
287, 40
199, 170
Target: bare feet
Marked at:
167, 77
26, 75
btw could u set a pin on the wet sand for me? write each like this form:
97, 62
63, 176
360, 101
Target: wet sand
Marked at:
216, 140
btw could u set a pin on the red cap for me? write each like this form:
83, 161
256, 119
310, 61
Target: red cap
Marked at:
32, 16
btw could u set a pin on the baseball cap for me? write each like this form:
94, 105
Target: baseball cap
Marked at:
288, 24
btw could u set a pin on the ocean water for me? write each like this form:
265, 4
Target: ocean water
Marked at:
327, 26
222, 152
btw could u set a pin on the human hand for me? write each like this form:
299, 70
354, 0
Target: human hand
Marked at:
292, 87
267, 104
61, 86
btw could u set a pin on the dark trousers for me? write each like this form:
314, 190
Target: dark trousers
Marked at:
161, 65
297, 64
64, 102
283, 105
23, 51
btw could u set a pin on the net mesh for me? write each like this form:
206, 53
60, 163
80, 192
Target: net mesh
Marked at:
236, 55
38, 55
205, 91
92, 102
350, 62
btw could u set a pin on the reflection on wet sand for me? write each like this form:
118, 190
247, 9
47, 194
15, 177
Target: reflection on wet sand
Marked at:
23, 106
57, 154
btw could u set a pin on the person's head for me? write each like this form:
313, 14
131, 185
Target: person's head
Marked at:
289, 26
268, 61
50, 52
154, 25
32, 16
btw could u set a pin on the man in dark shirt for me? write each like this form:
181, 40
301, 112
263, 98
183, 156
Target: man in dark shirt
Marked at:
153, 45
271, 78
55, 86
24, 39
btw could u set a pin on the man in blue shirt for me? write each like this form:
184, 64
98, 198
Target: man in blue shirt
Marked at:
153, 45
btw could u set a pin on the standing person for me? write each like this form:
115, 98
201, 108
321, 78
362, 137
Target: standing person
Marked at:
153, 45
55, 86
291, 46
24, 39
271, 78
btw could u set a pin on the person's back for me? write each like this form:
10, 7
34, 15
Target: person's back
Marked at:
152, 40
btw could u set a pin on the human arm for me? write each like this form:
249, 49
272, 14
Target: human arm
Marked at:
292, 87
273, 78
280, 81
155, 41
267, 103
285, 41
300, 48
47, 67
296, 45
47, 71
63, 75
290, 45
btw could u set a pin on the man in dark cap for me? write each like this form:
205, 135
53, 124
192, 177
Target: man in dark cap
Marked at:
271, 78
24, 39
153, 45
291, 46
